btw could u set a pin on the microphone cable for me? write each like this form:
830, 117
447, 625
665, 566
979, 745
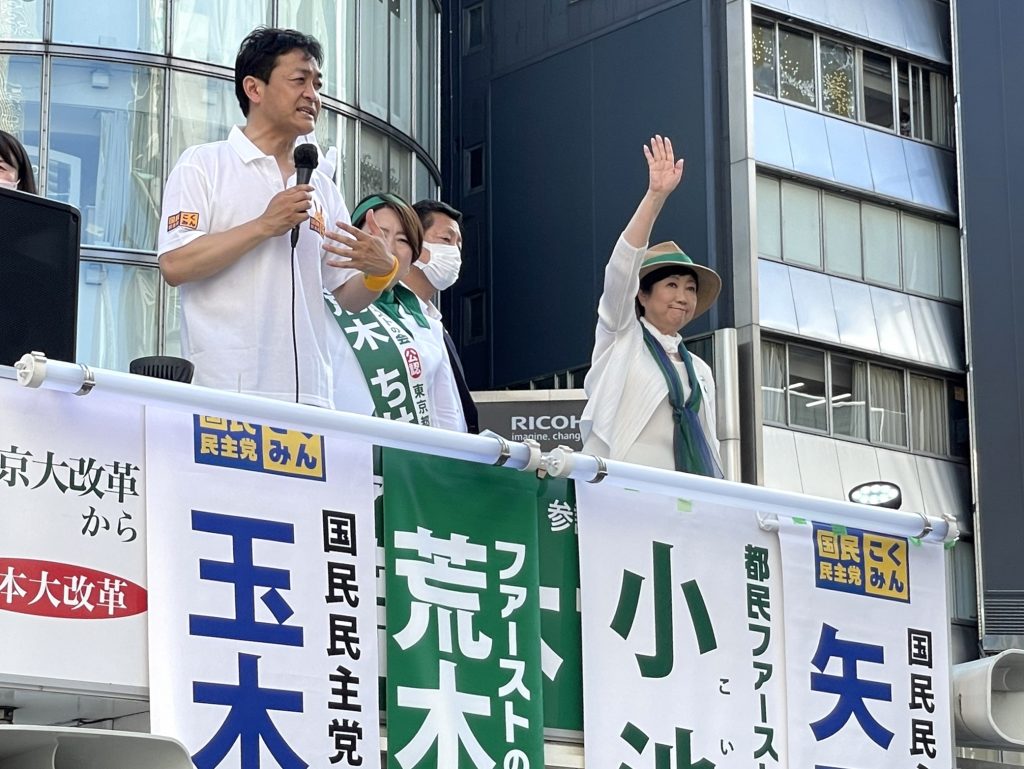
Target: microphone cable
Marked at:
306, 158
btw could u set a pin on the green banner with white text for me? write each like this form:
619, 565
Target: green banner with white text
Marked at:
463, 615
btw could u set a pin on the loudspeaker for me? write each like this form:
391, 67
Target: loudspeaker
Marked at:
39, 252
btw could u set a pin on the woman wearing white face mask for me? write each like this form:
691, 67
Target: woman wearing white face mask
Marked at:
15, 167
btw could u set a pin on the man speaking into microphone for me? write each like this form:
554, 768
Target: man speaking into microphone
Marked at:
242, 235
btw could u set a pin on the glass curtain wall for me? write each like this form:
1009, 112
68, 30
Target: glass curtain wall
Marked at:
130, 84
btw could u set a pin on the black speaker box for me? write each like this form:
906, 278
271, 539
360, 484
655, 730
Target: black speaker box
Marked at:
39, 252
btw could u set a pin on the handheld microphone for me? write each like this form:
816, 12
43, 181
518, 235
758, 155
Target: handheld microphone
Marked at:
306, 158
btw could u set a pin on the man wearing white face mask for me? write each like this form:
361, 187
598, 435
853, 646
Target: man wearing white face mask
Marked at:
437, 269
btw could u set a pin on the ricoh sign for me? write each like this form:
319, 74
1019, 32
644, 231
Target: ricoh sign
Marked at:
523, 416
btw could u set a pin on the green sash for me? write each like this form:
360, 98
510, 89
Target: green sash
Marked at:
387, 353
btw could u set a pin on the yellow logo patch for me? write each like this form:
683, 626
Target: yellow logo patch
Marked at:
186, 219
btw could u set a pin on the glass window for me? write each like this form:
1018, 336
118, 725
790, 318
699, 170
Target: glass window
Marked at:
807, 401
769, 219
837, 79
959, 432
920, 255
773, 382
427, 76
21, 21
877, 83
203, 109
964, 585
131, 25
212, 30
473, 23
20, 89
881, 236
326, 134
842, 235
117, 314
849, 398
801, 225
106, 134
373, 58
424, 186
903, 96
936, 101
345, 175
373, 162
171, 304
333, 23
949, 259
796, 66
399, 177
928, 415
401, 66
888, 414
764, 57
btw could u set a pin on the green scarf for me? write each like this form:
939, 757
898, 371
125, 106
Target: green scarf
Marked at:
689, 444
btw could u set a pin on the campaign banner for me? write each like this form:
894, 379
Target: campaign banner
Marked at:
72, 540
560, 655
682, 633
463, 615
263, 602
867, 658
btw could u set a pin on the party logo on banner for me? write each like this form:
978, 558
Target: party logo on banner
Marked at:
247, 446
861, 562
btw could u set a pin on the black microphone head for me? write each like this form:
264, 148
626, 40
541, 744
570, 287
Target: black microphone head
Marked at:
306, 156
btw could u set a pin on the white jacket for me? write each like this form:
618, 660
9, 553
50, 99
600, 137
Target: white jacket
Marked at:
614, 414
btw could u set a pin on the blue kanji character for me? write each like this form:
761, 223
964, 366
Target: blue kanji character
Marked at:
852, 690
248, 720
246, 577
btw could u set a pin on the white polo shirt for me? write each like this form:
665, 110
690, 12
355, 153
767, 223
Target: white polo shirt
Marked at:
236, 326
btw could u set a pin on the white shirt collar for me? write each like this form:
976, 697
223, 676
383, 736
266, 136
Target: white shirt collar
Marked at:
669, 342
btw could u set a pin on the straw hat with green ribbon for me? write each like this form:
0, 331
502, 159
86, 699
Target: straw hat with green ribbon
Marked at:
666, 254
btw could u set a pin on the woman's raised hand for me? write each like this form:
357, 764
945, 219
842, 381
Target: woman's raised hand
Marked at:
665, 171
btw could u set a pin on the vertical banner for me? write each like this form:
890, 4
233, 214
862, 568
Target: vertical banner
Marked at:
561, 659
72, 540
867, 654
262, 628
463, 615
682, 633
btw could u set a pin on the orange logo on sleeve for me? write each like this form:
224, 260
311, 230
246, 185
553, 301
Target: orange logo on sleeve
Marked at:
187, 219
317, 223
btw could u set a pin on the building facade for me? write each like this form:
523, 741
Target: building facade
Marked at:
821, 181
106, 97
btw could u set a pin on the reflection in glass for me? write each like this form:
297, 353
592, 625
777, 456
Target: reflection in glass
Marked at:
399, 178
333, 23
888, 415
881, 232
769, 219
949, 257
849, 397
424, 187
764, 57
796, 66
773, 382
131, 25
427, 72
203, 109
117, 314
920, 255
877, 80
401, 68
808, 406
212, 30
928, 414
373, 58
842, 236
105, 132
21, 20
346, 173
903, 94
20, 89
373, 162
801, 225
171, 303
959, 432
837, 79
